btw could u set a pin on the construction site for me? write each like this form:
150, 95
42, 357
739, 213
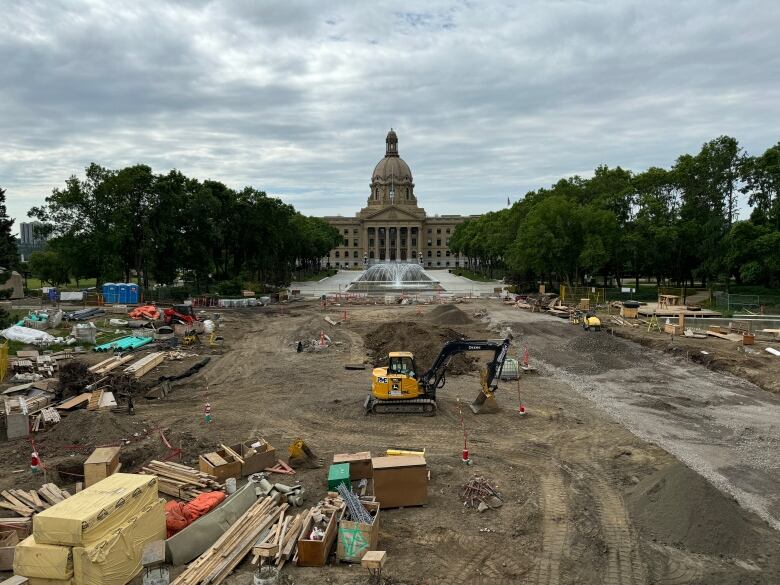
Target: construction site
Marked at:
616, 454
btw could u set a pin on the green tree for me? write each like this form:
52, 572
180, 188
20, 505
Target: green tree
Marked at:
50, 267
9, 253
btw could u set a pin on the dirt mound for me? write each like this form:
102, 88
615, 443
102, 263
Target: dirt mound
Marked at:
677, 507
449, 315
84, 427
424, 342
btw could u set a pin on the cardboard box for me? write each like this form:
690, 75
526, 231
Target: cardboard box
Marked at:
400, 481
8, 541
359, 464
314, 553
45, 561
255, 458
116, 559
96, 511
356, 539
103, 462
220, 465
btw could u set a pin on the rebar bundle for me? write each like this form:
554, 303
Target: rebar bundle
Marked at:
355, 508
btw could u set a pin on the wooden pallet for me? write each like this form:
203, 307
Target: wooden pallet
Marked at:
26, 503
94, 400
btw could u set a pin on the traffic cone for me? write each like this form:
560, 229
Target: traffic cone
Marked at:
35, 462
521, 410
207, 412
525, 356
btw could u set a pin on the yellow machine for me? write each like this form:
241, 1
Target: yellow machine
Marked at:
401, 388
591, 323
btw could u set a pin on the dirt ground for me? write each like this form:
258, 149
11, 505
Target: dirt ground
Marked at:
587, 498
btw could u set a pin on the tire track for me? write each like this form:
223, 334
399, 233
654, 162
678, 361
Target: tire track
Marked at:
555, 528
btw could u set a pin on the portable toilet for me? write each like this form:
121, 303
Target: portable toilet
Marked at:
133, 293
109, 293
122, 290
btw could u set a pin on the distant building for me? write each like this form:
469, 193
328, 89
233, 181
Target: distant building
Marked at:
392, 227
29, 241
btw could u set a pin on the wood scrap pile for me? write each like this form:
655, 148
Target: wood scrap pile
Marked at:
280, 542
25, 405
109, 364
145, 364
219, 560
621, 321
478, 493
26, 503
47, 416
181, 481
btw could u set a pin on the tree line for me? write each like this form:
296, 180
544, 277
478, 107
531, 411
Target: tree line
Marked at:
677, 225
113, 225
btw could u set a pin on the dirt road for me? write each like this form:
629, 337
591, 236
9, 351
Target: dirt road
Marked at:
726, 429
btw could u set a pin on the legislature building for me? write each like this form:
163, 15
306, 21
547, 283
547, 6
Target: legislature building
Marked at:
392, 226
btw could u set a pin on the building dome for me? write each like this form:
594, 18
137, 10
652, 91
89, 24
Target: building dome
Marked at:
391, 181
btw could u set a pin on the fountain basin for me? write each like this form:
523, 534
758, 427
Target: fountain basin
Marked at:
394, 276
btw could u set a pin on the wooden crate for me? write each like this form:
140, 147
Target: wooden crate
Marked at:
255, 458
400, 481
359, 464
103, 462
673, 329
355, 538
748, 339
220, 464
315, 553
629, 312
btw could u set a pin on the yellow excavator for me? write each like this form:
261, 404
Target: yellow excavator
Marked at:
401, 389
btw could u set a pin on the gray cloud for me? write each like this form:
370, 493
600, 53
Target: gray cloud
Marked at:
490, 99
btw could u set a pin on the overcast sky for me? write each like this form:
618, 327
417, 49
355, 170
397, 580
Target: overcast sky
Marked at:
489, 99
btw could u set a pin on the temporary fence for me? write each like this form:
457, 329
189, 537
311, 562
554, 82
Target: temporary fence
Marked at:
740, 302
572, 294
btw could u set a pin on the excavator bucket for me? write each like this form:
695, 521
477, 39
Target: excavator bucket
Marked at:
484, 404
301, 454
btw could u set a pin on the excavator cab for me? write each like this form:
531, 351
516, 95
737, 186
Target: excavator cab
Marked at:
398, 380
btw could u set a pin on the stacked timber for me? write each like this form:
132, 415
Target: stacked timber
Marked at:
214, 565
181, 481
279, 544
145, 364
28, 502
109, 364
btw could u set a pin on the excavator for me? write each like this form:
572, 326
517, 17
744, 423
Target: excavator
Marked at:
400, 389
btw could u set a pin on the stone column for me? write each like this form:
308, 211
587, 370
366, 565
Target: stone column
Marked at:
397, 242
387, 244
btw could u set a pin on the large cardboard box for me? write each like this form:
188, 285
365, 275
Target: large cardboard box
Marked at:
39, 581
314, 553
103, 462
355, 538
96, 511
400, 481
359, 464
257, 455
45, 561
220, 465
116, 559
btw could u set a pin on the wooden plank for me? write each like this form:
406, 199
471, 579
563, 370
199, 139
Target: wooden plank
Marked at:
232, 453
74, 402
119, 362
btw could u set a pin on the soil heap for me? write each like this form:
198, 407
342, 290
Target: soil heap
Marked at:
448, 315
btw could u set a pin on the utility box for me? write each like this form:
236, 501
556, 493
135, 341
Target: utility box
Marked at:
257, 455
220, 465
338, 473
400, 481
355, 538
103, 462
359, 464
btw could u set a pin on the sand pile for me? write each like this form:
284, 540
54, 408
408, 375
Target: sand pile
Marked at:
677, 507
448, 315
424, 342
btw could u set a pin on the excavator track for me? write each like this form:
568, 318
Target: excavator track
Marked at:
423, 406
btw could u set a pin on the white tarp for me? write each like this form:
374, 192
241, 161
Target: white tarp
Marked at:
26, 334
72, 296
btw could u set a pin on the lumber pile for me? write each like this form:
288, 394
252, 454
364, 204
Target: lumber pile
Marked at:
280, 542
109, 364
181, 481
214, 565
145, 364
47, 416
621, 321
26, 503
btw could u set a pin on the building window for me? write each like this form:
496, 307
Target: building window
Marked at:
448, 253
438, 264
446, 263
337, 255
438, 231
354, 264
429, 230
355, 231
448, 230
346, 232
371, 243
371, 254
429, 242
414, 241
428, 264
346, 242
355, 243
413, 255
429, 255
438, 253
354, 254
438, 242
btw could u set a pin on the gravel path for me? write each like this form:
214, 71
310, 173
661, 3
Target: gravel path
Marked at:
724, 428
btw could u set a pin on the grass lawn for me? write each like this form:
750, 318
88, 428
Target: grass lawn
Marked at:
33, 283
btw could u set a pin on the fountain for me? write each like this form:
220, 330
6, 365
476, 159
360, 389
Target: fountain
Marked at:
394, 276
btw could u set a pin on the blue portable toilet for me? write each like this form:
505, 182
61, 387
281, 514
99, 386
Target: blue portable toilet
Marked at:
133, 293
106, 293
121, 289
52, 294
109, 293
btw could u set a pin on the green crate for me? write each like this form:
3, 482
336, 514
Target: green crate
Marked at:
338, 473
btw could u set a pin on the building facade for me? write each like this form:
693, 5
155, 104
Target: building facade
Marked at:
392, 227
29, 240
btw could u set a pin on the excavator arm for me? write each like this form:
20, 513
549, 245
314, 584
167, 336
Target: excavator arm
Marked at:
434, 378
